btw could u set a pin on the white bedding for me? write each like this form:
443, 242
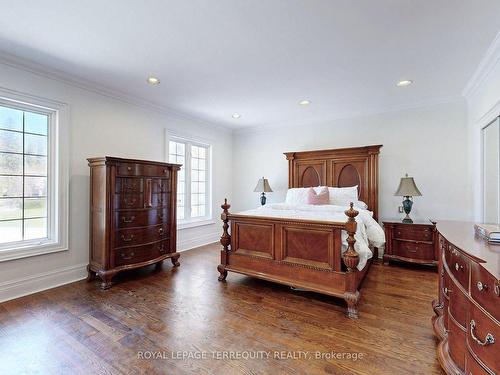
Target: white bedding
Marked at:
368, 230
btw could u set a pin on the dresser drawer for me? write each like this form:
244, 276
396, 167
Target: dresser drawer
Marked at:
138, 236
136, 169
483, 338
413, 250
413, 232
458, 305
129, 185
161, 185
137, 254
472, 367
141, 218
456, 343
485, 290
459, 266
128, 201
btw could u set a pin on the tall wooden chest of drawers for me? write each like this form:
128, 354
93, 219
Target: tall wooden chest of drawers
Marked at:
132, 215
467, 320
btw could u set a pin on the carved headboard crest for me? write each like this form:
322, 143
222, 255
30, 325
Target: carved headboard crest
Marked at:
340, 167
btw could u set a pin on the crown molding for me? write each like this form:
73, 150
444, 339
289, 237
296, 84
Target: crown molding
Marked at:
57, 75
485, 67
353, 115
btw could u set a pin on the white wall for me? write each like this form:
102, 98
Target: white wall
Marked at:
428, 144
101, 125
483, 105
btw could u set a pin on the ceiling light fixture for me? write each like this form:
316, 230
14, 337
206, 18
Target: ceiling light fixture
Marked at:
236, 115
153, 81
405, 82
305, 102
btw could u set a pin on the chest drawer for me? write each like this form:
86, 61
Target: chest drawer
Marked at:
136, 169
137, 254
456, 339
138, 236
129, 185
413, 232
458, 305
460, 266
128, 201
141, 218
485, 290
413, 250
483, 338
472, 367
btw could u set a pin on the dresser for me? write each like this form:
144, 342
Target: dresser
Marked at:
413, 243
467, 310
132, 215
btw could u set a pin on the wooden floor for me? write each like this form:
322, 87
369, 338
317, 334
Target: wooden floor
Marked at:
79, 329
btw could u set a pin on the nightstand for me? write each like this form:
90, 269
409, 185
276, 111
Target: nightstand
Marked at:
413, 243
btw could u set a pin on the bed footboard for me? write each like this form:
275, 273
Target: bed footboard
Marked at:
300, 253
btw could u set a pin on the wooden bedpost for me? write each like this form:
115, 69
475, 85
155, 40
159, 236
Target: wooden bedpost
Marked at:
351, 260
225, 241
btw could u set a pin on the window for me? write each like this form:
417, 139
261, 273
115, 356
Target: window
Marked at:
33, 196
193, 180
23, 175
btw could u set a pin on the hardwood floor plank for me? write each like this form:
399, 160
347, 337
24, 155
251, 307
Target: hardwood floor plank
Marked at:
155, 322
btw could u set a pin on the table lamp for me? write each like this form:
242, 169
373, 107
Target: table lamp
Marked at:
263, 187
407, 189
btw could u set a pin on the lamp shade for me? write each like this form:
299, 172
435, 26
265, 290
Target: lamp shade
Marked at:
407, 188
263, 186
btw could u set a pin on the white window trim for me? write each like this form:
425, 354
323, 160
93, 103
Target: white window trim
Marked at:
58, 177
208, 218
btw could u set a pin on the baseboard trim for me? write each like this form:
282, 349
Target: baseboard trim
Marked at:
198, 241
36, 283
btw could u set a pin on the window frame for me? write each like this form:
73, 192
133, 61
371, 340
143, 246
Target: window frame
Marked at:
57, 177
188, 221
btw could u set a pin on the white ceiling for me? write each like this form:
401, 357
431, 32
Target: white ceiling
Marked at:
259, 57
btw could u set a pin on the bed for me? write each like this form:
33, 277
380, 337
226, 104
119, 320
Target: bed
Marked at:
297, 246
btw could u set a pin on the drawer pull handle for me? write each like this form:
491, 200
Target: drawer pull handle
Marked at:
127, 239
127, 257
446, 291
128, 220
129, 169
488, 340
481, 286
497, 290
160, 231
458, 267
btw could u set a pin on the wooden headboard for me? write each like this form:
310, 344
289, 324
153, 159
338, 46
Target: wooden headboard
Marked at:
341, 167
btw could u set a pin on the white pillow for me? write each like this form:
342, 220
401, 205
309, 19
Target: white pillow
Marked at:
296, 196
343, 196
360, 204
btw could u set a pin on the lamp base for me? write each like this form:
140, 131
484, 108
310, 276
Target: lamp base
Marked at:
263, 199
407, 220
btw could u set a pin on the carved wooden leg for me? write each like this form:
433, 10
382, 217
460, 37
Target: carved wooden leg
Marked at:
159, 265
90, 274
352, 304
222, 271
106, 279
386, 260
175, 260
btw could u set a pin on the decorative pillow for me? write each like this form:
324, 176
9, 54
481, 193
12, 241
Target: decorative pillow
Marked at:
296, 196
360, 204
323, 197
343, 196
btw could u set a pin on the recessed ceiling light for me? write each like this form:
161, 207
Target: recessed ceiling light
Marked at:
405, 82
153, 81
305, 102
236, 115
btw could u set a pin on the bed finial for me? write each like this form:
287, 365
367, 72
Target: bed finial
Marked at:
351, 257
225, 239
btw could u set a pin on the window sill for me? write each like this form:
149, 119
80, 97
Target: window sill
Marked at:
30, 250
194, 223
